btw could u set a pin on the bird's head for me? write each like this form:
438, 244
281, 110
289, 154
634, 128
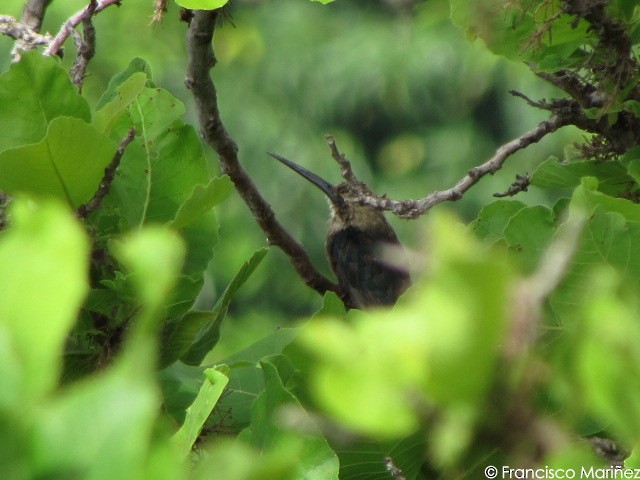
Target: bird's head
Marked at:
344, 212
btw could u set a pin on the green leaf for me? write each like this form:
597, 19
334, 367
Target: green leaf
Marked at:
528, 234
198, 225
370, 459
200, 409
39, 90
588, 196
493, 219
124, 95
332, 306
153, 257
180, 382
202, 4
43, 280
203, 198
315, 459
632, 106
443, 341
101, 426
510, 30
59, 166
210, 334
137, 65
178, 335
161, 166
231, 460
612, 176
609, 238
608, 357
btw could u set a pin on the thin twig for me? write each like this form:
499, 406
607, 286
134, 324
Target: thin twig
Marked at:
32, 17
76, 19
520, 185
201, 60
542, 104
26, 38
85, 46
345, 165
109, 174
415, 208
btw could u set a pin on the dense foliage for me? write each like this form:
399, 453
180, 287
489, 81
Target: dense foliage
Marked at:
516, 346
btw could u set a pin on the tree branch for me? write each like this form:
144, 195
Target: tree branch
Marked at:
201, 60
85, 46
76, 19
345, 165
33, 13
414, 208
32, 17
26, 38
109, 173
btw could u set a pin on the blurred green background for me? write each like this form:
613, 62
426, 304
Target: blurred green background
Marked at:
411, 101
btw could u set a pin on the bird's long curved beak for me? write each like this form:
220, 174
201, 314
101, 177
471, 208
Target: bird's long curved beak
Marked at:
321, 183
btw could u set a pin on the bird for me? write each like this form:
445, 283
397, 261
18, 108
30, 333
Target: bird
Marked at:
356, 240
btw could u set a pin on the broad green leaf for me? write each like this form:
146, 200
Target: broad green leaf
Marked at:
202, 4
198, 225
232, 460
210, 334
528, 234
610, 237
634, 170
632, 106
607, 239
67, 164
180, 382
608, 357
270, 345
315, 459
43, 280
209, 394
101, 426
203, 198
124, 95
32, 93
154, 256
589, 196
442, 341
511, 31
613, 178
179, 334
332, 306
371, 459
493, 219
362, 363
137, 65
466, 301
161, 166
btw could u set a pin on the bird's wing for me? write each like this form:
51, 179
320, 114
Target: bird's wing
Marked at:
355, 259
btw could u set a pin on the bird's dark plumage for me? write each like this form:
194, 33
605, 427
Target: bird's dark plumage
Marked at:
356, 259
